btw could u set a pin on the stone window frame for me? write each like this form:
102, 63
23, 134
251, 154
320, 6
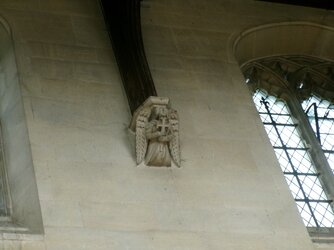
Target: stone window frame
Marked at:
281, 76
4, 181
24, 219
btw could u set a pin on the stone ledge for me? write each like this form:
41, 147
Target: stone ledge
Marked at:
321, 235
12, 231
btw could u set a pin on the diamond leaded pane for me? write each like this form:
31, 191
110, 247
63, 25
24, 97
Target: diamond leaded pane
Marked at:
290, 136
283, 160
324, 213
294, 159
330, 159
312, 187
301, 161
294, 186
328, 141
306, 214
273, 136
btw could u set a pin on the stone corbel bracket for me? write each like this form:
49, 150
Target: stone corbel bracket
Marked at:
156, 127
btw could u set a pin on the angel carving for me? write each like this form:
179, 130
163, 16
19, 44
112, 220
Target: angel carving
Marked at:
157, 133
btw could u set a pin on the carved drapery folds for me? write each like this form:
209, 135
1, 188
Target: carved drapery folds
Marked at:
156, 127
282, 75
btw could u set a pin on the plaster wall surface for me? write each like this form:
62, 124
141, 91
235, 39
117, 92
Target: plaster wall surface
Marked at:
229, 193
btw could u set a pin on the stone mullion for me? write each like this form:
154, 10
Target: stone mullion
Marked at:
319, 159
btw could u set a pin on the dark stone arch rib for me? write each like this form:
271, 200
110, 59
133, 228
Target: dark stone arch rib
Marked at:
123, 21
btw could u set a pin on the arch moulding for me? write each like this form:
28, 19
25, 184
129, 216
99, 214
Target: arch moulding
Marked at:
284, 38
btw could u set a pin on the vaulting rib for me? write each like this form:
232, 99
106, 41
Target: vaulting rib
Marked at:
123, 22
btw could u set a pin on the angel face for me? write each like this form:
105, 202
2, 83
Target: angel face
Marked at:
161, 111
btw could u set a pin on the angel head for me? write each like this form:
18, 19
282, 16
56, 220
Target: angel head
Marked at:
159, 111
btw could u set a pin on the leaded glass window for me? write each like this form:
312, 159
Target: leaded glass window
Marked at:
300, 125
295, 161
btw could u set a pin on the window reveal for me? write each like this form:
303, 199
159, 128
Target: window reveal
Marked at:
4, 194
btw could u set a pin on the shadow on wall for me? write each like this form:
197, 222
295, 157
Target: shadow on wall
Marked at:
25, 209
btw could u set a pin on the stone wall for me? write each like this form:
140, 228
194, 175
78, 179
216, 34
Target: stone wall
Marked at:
229, 193
194, 57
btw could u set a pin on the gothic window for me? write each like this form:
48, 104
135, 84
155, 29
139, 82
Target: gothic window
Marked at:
294, 97
295, 161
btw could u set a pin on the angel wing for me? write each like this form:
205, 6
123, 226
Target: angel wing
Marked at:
174, 144
141, 141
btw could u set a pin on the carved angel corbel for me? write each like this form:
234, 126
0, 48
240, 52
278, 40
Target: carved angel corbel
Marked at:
156, 127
